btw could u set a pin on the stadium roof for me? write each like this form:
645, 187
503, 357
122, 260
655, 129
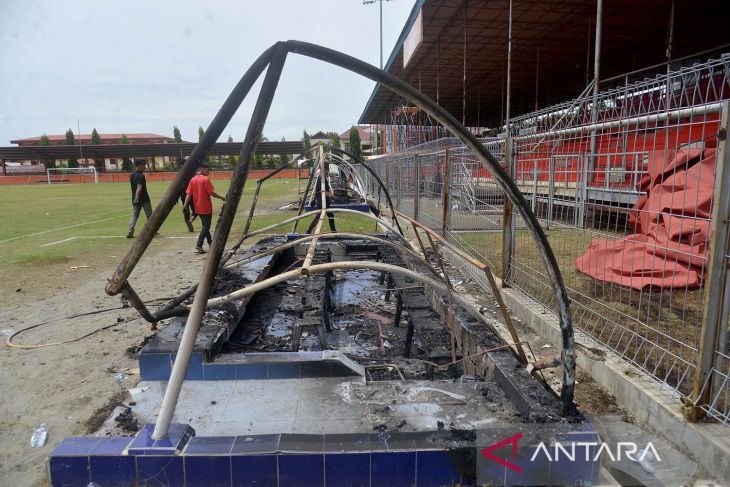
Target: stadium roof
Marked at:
552, 50
103, 151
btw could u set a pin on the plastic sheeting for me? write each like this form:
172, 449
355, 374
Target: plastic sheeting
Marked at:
672, 223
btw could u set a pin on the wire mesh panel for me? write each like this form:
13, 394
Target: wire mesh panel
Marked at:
622, 184
626, 207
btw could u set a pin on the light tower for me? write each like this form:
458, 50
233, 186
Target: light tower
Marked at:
370, 2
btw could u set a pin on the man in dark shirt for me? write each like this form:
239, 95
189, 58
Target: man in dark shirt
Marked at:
140, 197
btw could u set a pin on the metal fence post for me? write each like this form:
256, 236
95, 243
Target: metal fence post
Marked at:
551, 192
507, 221
713, 332
416, 184
387, 176
446, 182
398, 175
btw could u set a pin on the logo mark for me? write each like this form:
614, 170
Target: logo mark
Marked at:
512, 440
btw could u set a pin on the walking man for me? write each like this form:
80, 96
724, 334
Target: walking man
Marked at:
200, 190
140, 197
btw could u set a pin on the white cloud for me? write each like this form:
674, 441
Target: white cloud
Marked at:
140, 66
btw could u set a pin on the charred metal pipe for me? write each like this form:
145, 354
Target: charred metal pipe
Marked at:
259, 183
303, 201
488, 160
402, 249
222, 230
224, 115
377, 178
322, 214
131, 295
349, 265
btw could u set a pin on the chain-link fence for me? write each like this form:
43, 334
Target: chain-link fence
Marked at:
624, 186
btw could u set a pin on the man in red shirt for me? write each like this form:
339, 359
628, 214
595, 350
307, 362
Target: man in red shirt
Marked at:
200, 190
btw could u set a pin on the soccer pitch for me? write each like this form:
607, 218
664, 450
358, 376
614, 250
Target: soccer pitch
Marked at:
46, 228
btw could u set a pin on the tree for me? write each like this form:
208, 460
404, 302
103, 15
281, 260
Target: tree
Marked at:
284, 158
70, 140
96, 140
334, 139
201, 133
178, 138
306, 143
126, 162
45, 141
232, 159
355, 143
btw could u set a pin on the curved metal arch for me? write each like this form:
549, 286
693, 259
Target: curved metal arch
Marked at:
341, 160
377, 178
274, 58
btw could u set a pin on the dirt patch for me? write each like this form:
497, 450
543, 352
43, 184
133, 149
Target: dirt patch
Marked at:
69, 387
100, 415
592, 398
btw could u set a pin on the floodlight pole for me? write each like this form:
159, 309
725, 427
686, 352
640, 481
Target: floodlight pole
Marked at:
381, 34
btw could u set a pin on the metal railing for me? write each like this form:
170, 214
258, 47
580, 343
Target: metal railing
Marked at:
626, 200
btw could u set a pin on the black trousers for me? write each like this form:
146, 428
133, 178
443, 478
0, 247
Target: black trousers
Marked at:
205, 230
330, 219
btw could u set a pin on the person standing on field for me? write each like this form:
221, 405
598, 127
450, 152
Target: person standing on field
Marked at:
200, 190
140, 197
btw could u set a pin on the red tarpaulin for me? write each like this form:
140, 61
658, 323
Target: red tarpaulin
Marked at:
672, 223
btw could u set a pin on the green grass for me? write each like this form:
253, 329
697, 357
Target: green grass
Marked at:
47, 230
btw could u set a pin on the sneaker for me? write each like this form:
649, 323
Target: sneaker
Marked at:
130, 235
200, 250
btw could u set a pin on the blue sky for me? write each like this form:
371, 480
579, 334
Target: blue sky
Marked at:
144, 66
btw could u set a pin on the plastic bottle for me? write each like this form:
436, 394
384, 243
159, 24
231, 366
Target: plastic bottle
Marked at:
40, 434
647, 461
119, 378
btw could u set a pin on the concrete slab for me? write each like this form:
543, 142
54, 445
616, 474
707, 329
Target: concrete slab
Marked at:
326, 405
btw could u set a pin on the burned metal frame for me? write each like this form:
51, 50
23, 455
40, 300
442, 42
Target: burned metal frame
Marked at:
273, 60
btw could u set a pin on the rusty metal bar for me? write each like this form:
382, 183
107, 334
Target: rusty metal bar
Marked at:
480, 265
323, 175
131, 295
224, 115
303, 201
416, 184
714, 319
235, 190
445, 223
450, 307
505, 314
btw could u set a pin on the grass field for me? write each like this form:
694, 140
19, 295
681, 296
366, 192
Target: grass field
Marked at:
55, 228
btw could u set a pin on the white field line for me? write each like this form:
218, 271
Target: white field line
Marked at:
62, 228
103, 236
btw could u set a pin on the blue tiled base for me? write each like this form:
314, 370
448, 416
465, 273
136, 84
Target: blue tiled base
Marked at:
157, 366
277, 460
177, 438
